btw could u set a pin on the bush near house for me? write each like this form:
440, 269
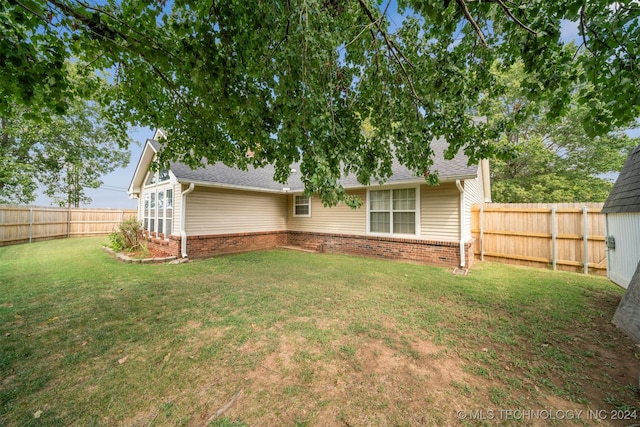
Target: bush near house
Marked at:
128, 236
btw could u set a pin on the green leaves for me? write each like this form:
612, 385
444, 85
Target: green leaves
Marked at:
557, 159
292, 80
65, 153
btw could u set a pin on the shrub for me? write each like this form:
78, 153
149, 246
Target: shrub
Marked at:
127, 236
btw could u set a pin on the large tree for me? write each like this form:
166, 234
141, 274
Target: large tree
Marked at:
556, 159
293, 80
76, 150
65, 155
64, 151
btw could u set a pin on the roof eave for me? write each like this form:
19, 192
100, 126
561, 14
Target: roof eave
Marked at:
286, 190
234, 186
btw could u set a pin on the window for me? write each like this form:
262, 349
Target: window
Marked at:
158, 210
156, 177
163, 175
146, 212
168, 216
158, 203
152, 212
301, 206
393, 211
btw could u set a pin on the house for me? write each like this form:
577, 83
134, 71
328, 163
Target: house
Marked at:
217, 209
622, 221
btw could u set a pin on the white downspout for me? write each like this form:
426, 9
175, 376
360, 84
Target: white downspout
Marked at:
462, 221
183, 233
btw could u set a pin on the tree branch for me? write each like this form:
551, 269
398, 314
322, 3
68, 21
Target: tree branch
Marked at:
393, 48
33, 12
513, 18
472, 21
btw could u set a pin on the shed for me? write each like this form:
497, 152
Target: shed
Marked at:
622, 219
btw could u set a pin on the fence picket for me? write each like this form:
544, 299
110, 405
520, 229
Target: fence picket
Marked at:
561, 236
29, 224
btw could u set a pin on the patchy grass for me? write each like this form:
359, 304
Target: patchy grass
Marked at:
288, 338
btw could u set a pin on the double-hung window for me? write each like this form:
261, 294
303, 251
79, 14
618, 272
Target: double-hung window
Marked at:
393, 211
301, 206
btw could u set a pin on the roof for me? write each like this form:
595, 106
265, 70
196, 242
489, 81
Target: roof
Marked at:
625, 194
261, 179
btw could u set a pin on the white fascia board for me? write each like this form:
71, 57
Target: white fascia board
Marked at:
412, 182
141, 168
300, 191
234, 187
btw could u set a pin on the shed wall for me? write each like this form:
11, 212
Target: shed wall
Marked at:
623, 260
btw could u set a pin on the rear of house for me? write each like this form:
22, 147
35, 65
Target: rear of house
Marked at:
216, 210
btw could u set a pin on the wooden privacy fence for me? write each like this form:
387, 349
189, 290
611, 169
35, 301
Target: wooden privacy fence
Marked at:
29, 224
564, 236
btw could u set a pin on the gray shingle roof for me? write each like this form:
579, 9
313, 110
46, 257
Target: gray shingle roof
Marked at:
262, 178
625, 194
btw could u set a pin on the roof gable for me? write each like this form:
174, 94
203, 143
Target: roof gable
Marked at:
148, 153
625, 194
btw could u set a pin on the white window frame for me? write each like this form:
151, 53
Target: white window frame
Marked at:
391, 211
154, 214
296, 204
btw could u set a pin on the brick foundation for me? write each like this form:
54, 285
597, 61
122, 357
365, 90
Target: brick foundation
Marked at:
157, 241
215, 244
427, 251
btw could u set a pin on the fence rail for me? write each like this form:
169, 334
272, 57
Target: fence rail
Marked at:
20, 224
564, 236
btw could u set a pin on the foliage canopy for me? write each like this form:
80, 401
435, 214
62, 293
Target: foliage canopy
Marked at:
64, 153
293, 80
557, 159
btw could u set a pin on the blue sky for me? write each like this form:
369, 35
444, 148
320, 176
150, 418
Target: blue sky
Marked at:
113, 193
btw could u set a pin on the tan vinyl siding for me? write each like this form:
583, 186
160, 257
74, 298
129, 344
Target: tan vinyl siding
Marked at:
473, 193
339, 219
141, 208
439, 210
177, 211
219, 211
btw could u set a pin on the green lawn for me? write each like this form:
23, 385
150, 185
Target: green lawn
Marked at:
291, 338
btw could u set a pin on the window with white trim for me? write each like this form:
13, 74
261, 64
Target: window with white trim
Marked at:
301, 206
168, 212
393, 211
158, 204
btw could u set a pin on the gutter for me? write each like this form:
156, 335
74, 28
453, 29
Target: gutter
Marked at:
462, 221
183, 233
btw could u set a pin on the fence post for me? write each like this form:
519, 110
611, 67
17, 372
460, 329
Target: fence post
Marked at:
30, 224
585, 238
554, 235
482, 233
69, 222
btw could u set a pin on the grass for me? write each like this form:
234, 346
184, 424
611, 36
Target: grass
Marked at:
288, 338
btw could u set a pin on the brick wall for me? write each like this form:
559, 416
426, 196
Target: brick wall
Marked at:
216, 244
157, 241
427, 251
